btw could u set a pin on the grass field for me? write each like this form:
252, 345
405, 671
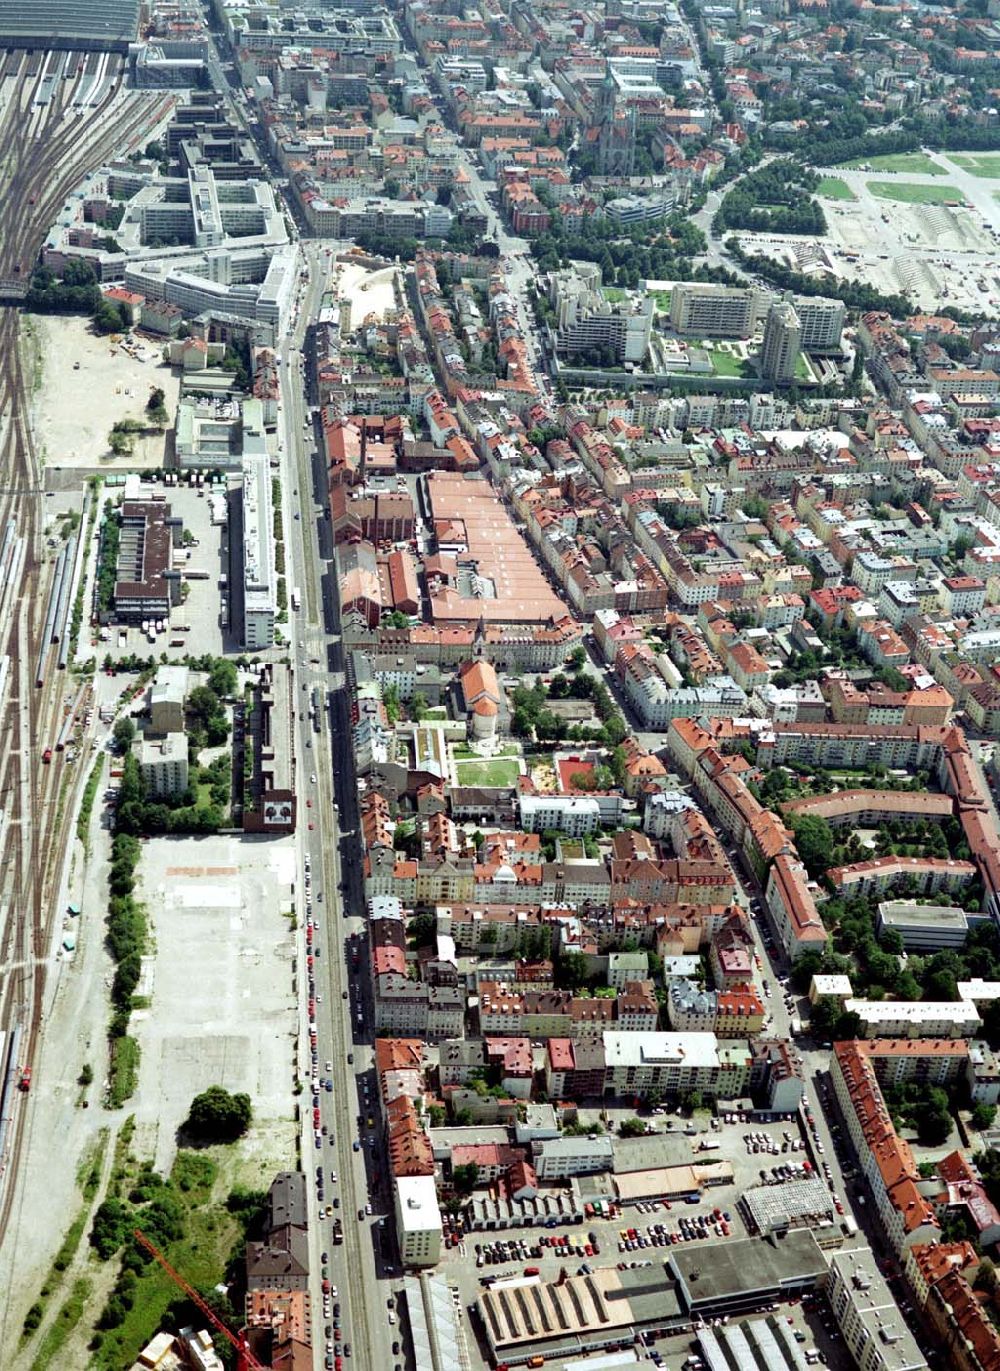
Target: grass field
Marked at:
725, 364
210, 1233
984, 164
501, 771
910, 193
662, 298
835, 189
802, 371
900, 161
613, 294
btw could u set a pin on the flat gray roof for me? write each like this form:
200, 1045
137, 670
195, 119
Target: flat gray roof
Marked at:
729, 1271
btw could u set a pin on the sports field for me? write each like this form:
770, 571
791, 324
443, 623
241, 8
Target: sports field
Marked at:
899, 161
984, 164
835, 189
913, 193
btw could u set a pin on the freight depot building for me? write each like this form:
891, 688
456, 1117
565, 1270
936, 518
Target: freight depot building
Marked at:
608, 1307
485, 572
76, 25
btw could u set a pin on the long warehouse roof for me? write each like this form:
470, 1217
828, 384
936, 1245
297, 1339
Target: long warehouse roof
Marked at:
61, 21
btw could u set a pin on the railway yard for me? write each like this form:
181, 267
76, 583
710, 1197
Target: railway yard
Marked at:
60, 114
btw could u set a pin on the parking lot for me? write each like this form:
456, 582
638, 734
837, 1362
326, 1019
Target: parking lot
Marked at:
222, 1005
642, 1232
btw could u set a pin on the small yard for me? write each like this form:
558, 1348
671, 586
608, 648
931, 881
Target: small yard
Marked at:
501, 771
803, 371
613, 294
833, 188
913, 193
899, 161
662, 299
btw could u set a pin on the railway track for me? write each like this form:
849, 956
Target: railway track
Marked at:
44, 153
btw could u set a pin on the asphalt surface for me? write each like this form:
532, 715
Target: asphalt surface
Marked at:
327, 799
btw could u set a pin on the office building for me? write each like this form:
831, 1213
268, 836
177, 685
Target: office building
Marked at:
706, 311
924, 927
782, 340
166, 700
418, 1220
259, 578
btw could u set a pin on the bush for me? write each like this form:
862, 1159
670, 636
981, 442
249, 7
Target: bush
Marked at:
110, 1227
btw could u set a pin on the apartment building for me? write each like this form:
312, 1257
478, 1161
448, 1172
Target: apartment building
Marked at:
793, 908
866, 1312
668, 1063
915, 1019
163, 761
884, 1158
821, 323
782, 344
707, 311
586, 320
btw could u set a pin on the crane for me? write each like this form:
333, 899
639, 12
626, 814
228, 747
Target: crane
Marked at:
245, 1359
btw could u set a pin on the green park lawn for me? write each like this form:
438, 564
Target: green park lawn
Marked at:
662, 298
900, 161
833, 188
986, 165
613, 294
802, 370
911, 193
725, 364
500, 771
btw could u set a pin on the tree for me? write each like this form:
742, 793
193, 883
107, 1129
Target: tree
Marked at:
423, 929
814, 842
988, 1163
217, 1116
436, 1115
155, 407
418, 706
464, 1178
124, 733
847, 1027
390, 699
932, 1117
216, 730
202, 704
571, 970
223, 678
983, 1115
631, 1128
